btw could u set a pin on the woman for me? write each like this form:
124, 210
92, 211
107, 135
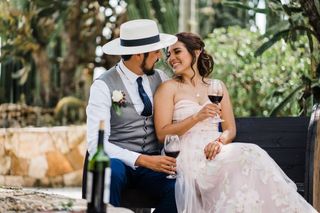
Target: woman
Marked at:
215, 175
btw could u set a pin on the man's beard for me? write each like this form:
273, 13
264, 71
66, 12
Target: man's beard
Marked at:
145, 70
148, 71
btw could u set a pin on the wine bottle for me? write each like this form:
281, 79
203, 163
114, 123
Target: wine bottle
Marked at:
98, 177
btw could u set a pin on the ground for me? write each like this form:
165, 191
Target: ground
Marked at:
16, 199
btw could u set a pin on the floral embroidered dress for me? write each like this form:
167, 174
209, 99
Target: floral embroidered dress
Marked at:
242, 177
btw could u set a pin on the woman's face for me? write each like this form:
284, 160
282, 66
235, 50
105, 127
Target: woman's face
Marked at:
179, 58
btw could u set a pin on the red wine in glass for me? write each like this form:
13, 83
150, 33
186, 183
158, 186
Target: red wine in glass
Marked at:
215, 98
215, 95
173, 154
172, 149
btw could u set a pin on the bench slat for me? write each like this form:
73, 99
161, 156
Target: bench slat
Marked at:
272, 139
287, 156
273, 132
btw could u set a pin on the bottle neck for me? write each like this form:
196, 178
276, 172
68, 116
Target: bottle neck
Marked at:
100, 139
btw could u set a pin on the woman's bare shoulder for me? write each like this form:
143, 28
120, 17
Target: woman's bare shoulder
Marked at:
167, 88
168, 85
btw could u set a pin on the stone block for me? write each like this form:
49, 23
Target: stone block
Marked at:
38, 167
60, 139
3, 139
73, 178
75, 158
42, 156
29, 181
57, 164
44, 182
56, 181
83, 148
76, 135
36, 141
5, 164
19, 166
10, 180
2, 180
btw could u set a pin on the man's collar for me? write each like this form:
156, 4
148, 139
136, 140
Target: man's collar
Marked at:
131, 76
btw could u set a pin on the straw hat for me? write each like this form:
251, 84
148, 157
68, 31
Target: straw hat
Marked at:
138, 36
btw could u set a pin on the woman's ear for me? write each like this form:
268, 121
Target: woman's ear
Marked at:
197, 52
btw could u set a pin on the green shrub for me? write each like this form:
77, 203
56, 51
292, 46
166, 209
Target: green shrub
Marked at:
257, 85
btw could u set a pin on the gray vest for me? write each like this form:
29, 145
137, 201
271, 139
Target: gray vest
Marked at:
131, 130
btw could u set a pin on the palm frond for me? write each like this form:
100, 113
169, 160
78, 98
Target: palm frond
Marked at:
272, 41
237, 4
279, 26
132, 10
305, 29
317, 3
285, 101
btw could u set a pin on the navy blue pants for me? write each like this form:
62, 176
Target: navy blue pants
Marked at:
153, 183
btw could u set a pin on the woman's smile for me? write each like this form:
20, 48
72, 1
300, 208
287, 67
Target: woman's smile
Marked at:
175, 64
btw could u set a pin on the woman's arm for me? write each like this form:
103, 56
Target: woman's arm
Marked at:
228, 127
164, 106
229, 124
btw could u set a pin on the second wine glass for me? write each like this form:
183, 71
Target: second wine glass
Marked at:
172, 149
215, 95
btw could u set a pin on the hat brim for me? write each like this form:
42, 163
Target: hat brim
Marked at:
114, 48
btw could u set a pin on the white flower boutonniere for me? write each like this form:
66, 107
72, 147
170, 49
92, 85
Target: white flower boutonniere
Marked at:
118, 101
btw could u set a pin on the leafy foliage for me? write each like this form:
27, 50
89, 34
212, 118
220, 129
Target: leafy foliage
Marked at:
298, 20
55, 41
258, 85
163, 11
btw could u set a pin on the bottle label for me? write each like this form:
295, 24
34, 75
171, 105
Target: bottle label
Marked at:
89, 187
107, 180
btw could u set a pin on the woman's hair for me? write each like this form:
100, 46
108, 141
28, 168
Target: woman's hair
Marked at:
193, 42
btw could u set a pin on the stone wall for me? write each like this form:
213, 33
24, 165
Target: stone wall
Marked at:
44, 156
21, 115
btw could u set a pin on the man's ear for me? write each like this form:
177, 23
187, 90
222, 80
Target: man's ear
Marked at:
138, 57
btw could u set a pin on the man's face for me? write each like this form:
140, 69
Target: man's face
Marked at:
149, 61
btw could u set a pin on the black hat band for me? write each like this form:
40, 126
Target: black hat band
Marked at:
139, 42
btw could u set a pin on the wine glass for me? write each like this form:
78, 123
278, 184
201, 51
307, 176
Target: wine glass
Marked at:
172, 149
215, 95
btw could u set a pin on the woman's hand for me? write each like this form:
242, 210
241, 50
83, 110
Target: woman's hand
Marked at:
208, 111
212, 149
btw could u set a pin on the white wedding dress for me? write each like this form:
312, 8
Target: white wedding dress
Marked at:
241, 178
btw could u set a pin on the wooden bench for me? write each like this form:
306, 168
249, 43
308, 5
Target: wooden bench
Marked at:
288, 142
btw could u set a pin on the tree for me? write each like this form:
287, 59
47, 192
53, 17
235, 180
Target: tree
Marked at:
258, 84
297, 19
312, 11
57, 39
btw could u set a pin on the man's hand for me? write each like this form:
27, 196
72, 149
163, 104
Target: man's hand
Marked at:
157, 163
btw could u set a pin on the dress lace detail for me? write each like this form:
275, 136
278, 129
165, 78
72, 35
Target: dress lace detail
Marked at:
242, 178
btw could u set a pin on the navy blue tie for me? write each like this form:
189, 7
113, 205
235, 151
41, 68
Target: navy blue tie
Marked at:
147, 111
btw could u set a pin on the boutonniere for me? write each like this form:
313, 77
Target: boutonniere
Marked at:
118, 101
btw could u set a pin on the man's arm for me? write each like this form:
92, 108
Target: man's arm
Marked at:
99, 106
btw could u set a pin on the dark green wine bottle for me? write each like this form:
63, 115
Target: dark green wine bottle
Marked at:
98, 177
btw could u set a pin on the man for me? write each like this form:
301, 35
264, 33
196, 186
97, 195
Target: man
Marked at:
130, 138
